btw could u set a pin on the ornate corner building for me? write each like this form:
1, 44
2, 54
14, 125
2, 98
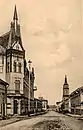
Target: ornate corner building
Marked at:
14, 70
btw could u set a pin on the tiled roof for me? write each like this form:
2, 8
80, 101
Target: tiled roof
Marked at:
3, 82
2, 50
4, 40
77, 90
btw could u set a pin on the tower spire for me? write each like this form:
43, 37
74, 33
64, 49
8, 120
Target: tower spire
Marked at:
15, 14
66, 79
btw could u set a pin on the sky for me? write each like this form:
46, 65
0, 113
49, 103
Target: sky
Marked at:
51, 33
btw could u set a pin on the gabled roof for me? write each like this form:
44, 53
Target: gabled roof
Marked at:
7, 39
77, 91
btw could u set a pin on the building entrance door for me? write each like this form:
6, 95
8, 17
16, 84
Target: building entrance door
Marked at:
15, 107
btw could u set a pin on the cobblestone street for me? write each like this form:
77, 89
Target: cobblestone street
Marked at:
49, 121
51, 125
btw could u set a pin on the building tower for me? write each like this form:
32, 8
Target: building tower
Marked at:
15, 56
65, 89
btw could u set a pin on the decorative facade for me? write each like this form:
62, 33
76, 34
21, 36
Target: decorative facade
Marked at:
3, 98
14, 70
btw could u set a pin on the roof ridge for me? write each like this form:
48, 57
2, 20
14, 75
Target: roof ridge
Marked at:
5, 34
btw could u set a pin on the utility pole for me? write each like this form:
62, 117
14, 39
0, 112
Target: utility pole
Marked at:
80, 102
29, 62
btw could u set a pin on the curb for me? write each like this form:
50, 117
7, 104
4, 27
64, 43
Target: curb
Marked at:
77, 117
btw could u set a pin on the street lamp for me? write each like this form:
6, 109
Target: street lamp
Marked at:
35, 88
29, 62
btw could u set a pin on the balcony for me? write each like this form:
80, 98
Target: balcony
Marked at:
35, 88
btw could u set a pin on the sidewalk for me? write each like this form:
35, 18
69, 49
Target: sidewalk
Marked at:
17, 118
12, 120
79, 117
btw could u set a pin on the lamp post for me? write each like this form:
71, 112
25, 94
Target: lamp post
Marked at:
29, 62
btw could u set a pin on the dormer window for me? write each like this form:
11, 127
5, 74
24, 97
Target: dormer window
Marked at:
15, 67
19, 67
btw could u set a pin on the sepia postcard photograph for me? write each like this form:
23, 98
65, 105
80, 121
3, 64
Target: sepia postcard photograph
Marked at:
41, 64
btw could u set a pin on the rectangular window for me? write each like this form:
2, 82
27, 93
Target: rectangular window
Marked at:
8, 67
19, 67
1, 69
15, 67
17, 86
2, 59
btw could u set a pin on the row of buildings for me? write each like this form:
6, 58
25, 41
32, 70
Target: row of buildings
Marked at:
73, 102
16, 76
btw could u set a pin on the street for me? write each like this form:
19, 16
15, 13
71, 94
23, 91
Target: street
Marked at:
49, 121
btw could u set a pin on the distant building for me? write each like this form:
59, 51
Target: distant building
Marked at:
37, 105
59, 106
44, 103
65, 89
40, 98
76, 100
73, 102
3, 98
63, 105
65, 100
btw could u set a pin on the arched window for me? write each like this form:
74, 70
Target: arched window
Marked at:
15, 67
19, 67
